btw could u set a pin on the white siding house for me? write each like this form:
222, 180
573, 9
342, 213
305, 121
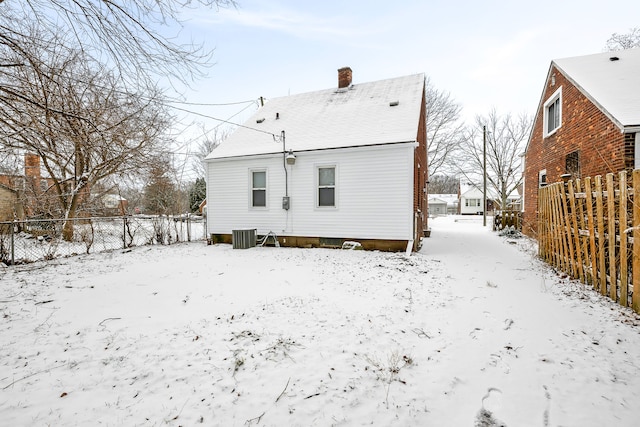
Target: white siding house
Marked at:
471, 201
437, 206
343, 159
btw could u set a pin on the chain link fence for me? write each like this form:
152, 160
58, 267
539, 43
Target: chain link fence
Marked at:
33, 240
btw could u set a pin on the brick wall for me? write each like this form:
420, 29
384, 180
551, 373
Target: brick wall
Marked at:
8, 200
420, 174
601, 145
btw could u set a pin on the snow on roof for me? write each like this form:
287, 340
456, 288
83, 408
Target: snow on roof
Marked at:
471, 192
381, 112
449, 198
436, 200
613, 84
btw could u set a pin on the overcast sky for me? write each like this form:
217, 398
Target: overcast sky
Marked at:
487, 54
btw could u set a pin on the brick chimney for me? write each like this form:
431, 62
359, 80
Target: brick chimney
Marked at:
344, 77
32, 166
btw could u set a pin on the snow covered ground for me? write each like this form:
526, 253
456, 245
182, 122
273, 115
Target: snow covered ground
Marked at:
471, 331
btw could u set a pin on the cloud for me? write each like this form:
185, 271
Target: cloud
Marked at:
291, 22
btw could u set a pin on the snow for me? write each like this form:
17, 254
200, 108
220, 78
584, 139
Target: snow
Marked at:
612, 85
472, 330
327, 119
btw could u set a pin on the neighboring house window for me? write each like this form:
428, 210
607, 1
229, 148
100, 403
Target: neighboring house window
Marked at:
327, 186
572, 164
553, 113
542, 178
259, 189
472, 203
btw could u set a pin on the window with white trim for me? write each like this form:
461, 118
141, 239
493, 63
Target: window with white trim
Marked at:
326, 186
259, 188
472, 203
542, 178
553, 113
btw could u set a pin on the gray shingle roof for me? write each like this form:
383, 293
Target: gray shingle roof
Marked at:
332, 118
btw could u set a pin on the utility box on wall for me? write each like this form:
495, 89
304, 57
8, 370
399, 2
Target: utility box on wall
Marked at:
244, 239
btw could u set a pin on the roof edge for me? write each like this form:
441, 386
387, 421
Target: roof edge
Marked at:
272, 153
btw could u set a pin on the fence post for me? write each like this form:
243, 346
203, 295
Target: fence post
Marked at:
624, 266
576, 233
592, 233
602, 266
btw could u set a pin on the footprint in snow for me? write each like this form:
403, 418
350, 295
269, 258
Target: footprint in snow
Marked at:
485, 417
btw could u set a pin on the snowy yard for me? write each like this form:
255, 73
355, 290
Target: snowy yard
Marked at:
189, 334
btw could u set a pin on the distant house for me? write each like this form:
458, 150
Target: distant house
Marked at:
443, 204
470, 200
437, 206
10, 205
324, 167
19, 190
113, 204
587, 123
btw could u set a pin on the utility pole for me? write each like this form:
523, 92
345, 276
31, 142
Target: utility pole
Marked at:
484, 176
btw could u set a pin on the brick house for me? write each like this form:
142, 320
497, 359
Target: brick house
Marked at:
16, 191
10, 206
354, 168
587, 123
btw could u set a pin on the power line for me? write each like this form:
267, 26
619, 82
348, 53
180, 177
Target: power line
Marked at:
226, 121
204, 104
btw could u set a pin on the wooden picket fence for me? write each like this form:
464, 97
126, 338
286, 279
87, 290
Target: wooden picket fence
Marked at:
590, 229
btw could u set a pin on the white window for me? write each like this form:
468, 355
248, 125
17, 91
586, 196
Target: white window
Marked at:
553, 113
326, 186
542, 178
259, 188
472, 203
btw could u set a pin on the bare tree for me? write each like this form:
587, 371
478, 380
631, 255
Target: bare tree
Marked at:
207, 144
624, 41
161, 194
443, 184
444, 129
506, 138
82, 122
140, 37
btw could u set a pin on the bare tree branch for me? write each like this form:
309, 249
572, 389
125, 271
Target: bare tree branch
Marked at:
624, 41
506, 138
82, 123
444, 129
139, 37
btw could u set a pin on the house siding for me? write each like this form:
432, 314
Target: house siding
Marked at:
369, 205
8, 203
420, 206
471, 210
601, 144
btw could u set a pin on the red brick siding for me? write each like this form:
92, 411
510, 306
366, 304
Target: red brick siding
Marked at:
420, 174
584, 127
629, 151
8, 201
